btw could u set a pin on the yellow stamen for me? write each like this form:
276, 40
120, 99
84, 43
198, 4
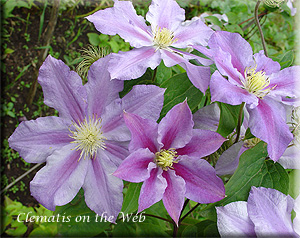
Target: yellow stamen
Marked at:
163, 38
256, 82
166, 158
88, 136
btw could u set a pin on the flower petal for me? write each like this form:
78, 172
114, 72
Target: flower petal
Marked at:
267, 122
224, 91
202, 184
101, 91
290, 159
143, 132
59, 181
198, 75
165, 14
135, 167
122, 20
270, 211
229, 160
143, 100
239, 49
175, 130
193, 32
116, 151
233, 220
285, 82
102, 190
207, 118
134, 63
62, 89
173, 198
35, 140
265, 64
203, 143
153, 188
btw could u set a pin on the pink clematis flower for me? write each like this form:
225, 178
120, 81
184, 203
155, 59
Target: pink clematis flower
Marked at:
258, 82
267, 213
85, 144
167, 158
160, 41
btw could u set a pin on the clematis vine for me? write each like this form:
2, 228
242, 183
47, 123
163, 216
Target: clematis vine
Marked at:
256, 81
85, 144
167, 158
267, 213
162, 40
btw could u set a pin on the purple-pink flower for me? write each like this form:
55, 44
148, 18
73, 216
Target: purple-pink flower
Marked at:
167, 158
85, 144
161, 41
267, 213
257, 81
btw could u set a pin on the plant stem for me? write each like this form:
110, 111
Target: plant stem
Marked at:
259, 28
189, 212
238, 128
154, 75
158, 217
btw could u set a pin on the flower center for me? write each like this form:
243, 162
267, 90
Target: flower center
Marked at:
166, 158
163, 38
256, 82
88, 137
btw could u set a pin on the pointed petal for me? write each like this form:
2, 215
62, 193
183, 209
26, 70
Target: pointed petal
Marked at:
143, 132
135, 167
224, 91
134, 63
36, 139
173, 198
203, 143
62, 89
193, 32
266, 64
59, 181
198, 75
239, 49
101, 91
165, 14
153, 188
207, 118
229, 160
175, 130
290, 159
270, 211
143, 100
267, 122
233, 220
285, 82
122, 20
102, 190
202, 184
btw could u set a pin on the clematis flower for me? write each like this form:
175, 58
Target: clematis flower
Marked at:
167, 158
267, 213
160, 41
256, 81
85, 144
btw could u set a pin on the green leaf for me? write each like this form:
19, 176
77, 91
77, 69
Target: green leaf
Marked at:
145, 229
79, 220
124, 229
94, 38
205, 228
228, 118
253, 170
287, 59
234, 28
179, 88
163, 73
130, 203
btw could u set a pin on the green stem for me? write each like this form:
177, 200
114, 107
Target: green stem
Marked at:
189, 212
259, 28
158, 217
154, 75
238, 128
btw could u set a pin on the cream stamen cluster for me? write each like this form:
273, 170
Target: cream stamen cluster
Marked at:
163, 38
88, 137
166, 158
